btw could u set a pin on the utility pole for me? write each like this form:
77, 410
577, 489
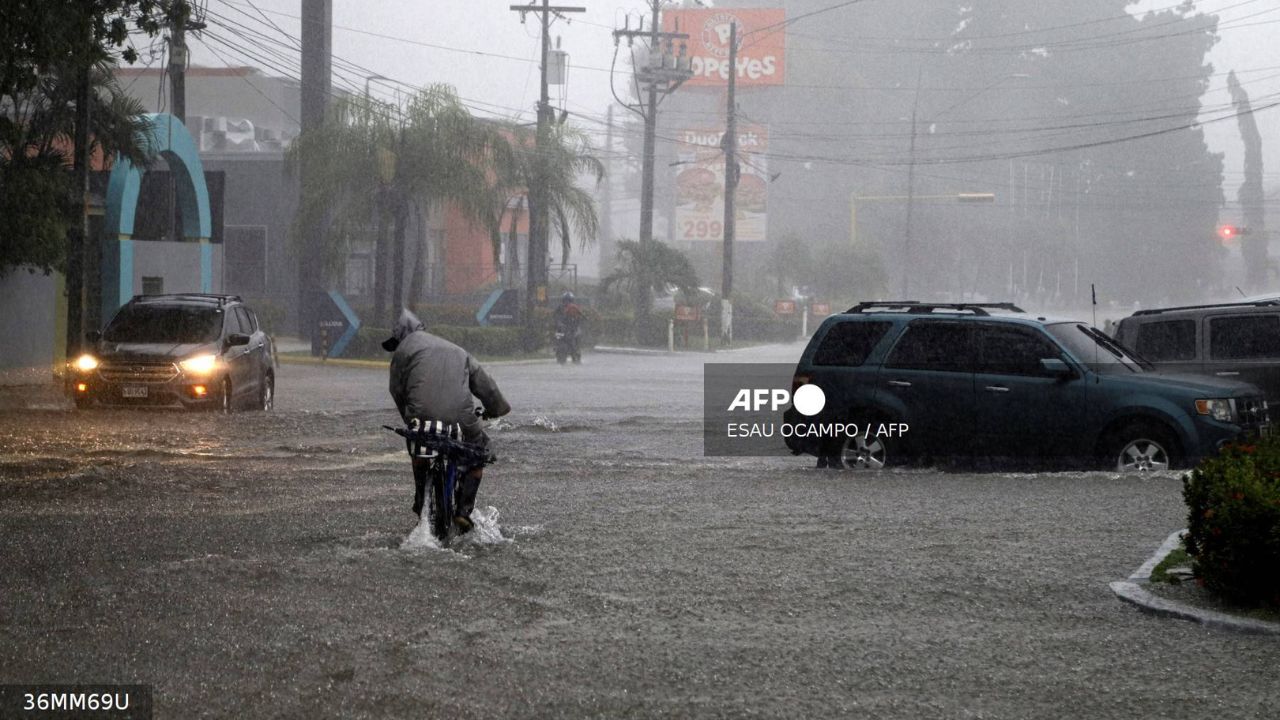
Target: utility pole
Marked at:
539, 223
731, 174
663, 73
911, 193
178, 60
317, 83
78, 237
606, 200
181, 21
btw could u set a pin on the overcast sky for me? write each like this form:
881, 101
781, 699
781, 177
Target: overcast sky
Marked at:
481, 47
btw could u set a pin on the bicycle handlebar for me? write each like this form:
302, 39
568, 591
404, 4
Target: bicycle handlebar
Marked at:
457, 449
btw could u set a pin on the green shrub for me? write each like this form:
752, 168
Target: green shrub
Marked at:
476, 340
1234, 522
457, 315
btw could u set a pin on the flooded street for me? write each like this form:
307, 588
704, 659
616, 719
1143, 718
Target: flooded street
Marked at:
253, 566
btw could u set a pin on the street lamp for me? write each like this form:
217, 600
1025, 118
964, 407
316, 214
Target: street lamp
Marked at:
911, 167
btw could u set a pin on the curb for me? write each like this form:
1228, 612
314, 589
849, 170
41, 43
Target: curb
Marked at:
383, 364
609, 350
1132, 591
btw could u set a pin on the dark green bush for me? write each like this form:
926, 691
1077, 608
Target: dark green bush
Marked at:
1234, 522
457, 315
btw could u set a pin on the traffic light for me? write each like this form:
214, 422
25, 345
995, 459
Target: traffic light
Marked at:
1229, 233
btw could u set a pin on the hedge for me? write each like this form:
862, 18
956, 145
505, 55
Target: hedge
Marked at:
1233, 525
476, 340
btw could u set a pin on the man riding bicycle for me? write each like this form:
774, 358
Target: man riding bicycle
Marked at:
433, 379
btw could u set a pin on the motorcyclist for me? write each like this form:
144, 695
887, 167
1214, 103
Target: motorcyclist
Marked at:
433, 379
567, 318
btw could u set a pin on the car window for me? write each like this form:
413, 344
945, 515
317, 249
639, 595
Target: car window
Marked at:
164, 324
849, 343
1096, 349
246, 322
1167, 340
931, 345
233, 324
1244, 337
1012, 350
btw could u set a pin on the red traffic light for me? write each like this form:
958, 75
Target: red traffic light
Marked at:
1230, 232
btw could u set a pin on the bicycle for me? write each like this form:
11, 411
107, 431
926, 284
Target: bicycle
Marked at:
442, 444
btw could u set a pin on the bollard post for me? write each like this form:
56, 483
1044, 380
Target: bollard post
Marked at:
671, 335
804, 322
706, 337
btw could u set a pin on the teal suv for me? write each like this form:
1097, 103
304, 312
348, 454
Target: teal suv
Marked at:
992, 381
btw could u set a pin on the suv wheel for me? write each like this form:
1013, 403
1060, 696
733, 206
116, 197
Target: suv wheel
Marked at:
862, 453
267, 392
228, 400
1140, 448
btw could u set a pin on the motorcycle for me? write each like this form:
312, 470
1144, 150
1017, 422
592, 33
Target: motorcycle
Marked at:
566, 345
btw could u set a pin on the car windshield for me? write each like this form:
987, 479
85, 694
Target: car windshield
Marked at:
164, 324
1095, 349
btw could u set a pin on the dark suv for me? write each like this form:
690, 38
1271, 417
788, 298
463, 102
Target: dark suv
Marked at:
189, 350
1231, 340
991, 380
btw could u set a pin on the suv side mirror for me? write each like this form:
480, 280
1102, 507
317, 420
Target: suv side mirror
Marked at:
1056, 367
237, 339
93, 336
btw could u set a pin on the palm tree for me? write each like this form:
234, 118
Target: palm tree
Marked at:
445, 155
37, 142
374, 162
549, 175
344, 162
645, 266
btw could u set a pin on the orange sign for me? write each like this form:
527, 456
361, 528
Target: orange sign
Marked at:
785, 307
820, 309
687, 313
761, 57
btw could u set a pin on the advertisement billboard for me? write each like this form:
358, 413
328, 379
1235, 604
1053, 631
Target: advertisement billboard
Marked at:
761, 57
700, 185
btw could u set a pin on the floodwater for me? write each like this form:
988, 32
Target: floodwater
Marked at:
268, 565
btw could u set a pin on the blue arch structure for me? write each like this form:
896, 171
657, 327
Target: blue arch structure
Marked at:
168, 137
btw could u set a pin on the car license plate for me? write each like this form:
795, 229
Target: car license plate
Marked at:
134, 391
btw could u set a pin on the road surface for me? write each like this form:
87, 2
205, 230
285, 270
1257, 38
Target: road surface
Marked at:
252, 566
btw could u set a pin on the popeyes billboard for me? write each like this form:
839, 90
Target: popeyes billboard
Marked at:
761, 44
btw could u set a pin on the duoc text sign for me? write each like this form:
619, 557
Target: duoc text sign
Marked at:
761, 58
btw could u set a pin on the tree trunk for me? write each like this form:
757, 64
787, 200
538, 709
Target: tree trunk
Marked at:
418, 278
397, 261
380, 271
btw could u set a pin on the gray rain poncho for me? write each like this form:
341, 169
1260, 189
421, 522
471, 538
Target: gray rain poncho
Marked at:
434, 379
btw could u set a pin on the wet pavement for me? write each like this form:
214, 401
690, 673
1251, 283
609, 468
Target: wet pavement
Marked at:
253, 566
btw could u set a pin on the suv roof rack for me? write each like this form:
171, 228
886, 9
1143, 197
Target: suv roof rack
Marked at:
1252, 303
916, 307
220, 299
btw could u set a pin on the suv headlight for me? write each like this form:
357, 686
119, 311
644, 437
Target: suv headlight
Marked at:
85, 363
199, 365
1218, 409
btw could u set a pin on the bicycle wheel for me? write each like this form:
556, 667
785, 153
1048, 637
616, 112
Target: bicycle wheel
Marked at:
441, 502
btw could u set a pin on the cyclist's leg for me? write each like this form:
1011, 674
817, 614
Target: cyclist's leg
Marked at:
420, 467
469, 482
465, 495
